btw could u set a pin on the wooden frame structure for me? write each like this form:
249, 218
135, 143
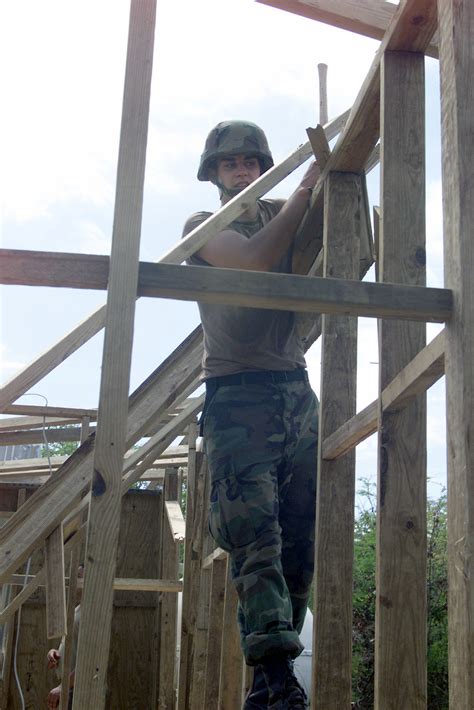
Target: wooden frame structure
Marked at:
389, 107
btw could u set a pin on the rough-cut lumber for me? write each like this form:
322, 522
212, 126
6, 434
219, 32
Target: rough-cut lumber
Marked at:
400, 635
214, 637
196, 509
332, 644
55, 589
34, 410
17, 423
280, 291
366, 17
168, 613
104, 513
231, 662
457, 111
422, 372
69, 639
176, 520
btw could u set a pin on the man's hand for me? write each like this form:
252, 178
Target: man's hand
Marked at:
53, 658
54, 696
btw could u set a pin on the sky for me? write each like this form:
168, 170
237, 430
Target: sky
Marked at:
214, 60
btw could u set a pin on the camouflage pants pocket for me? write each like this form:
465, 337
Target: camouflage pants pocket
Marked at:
230, 522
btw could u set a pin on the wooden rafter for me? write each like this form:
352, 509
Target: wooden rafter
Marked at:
366, 17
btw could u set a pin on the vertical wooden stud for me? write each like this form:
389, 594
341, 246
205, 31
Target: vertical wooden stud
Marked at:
456, 53
332, 630
400, 643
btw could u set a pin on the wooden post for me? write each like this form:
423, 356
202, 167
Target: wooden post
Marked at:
332, 630
169, 605
69, 640
456, 27
232, 663
400, 636
188, 619
104, 517
214, 635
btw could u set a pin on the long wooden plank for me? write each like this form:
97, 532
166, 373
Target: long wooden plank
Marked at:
110, 447
400, 633
177, 524
231, 665
367, 17
168, 613
284, 291
332, 644
422, 372
55, 590
16, 423
33, 410
457, 110
214, 639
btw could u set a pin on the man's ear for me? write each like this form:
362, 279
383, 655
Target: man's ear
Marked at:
212, 172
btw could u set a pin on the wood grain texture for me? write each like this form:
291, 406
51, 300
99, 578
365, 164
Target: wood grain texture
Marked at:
291, 292
55, 589
367, 17
232, 662
214, 637
400, 635
332, 642
457, 110
168, 612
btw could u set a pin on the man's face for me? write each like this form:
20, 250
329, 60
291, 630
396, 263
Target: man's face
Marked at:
237, 172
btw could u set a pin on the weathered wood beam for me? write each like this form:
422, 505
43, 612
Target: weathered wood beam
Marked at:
422, 372
366, 17
276, 291
400, 628
332, 644
110, 447
457, 111
20, 423
176, 520
61, 412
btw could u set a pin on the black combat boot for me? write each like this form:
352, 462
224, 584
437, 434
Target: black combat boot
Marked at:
257, 698
284, 691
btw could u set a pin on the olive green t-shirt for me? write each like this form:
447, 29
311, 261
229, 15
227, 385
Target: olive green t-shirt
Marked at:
241, 339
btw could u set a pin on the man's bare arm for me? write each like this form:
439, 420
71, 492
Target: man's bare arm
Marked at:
265, 249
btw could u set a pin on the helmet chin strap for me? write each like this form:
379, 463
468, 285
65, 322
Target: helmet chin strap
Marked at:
225, 191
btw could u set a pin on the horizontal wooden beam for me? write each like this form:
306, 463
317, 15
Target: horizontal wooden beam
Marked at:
22, 423
34, 410
244, 288
421, 373
123, 584
365, 17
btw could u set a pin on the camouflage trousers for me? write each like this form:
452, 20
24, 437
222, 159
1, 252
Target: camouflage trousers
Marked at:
261, 445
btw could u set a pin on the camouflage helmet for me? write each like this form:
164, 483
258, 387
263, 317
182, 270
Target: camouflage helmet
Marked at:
234, 138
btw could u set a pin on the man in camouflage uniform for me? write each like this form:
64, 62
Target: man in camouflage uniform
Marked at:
259, 421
